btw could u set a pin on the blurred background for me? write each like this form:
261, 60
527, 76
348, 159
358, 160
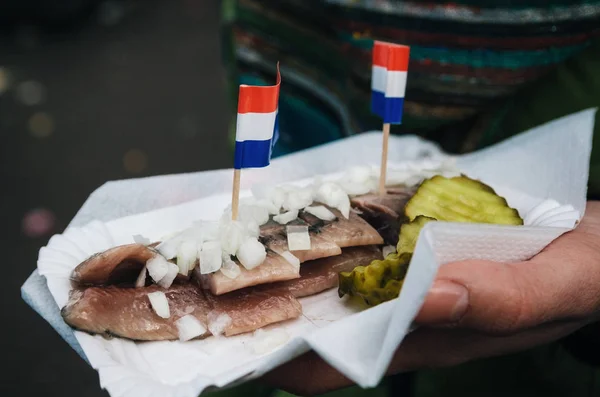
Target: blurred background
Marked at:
92, 91
98, 90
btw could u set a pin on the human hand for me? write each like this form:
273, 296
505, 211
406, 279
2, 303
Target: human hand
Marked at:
478, 309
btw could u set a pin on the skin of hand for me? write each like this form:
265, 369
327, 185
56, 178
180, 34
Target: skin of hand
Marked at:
478, 309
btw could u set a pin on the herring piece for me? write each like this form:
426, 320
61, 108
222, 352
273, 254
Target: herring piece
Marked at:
253, 308
127, 312
115, 265
274, 268
322, 274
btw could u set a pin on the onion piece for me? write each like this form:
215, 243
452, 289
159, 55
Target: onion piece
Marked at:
141, 280
217, 322
189, 327
298, 198
160, 304
298, 238
251, 253
266, 341
167, 280
321, 212
186, 256
291, 258
334, 196
229, 268
210, 256
158, 268
286, 217
388, 249
232, 234
139, 239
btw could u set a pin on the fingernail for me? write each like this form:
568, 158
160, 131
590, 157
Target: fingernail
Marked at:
447, 302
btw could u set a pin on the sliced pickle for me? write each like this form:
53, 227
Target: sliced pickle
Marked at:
409, 233
460, 199
377, 282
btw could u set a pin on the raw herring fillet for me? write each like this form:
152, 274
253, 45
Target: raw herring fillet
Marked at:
385, 213
322, 274
115, 265
350, 232
252, 309
127, 313
274, 238
274, 268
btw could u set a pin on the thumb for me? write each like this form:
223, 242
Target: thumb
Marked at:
499, 298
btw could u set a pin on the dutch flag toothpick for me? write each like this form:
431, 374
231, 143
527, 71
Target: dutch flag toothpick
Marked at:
388, 85
257, 131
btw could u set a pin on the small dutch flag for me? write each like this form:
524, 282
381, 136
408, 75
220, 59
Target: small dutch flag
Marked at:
257, 125
388, 83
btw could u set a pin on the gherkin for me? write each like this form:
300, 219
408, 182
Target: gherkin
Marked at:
409, 233
460, 199
378, 282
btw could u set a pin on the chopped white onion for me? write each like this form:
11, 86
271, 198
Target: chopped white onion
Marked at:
270, 194
388, 249
217, 322
253, 213
321, 212
229, 268
139, 239
167, 280
160, 304
266, 341
298, 198
298, 238
251, 253
291, 258
286, 217
334, 196
141, 280
232, 234
186, 256
210, 257
189, 327
344, 207
168, 248
157, 267
252, 229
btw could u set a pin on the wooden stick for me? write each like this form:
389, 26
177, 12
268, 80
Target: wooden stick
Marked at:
235, 196
384, 155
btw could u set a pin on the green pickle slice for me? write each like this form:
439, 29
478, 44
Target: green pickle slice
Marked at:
458, 199
378, 282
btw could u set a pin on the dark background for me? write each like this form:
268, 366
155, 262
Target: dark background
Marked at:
92, 91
